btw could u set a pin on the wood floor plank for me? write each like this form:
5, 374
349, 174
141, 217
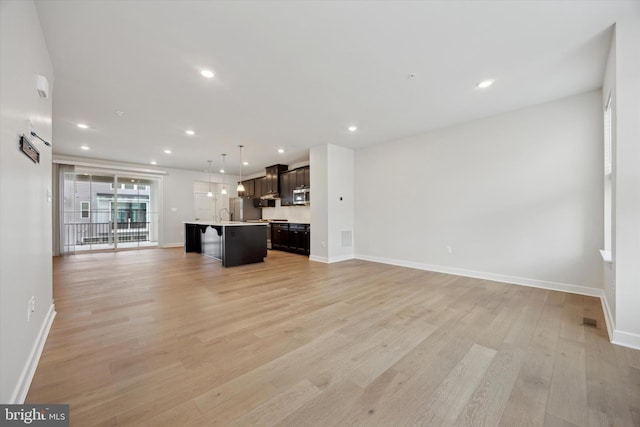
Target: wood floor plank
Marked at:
486, 405
528, 401
568, 391
160, 337
280, 406
451, 396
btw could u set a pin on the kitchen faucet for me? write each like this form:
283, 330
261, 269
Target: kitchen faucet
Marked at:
227, 211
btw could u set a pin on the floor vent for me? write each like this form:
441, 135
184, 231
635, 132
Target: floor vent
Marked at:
592, 323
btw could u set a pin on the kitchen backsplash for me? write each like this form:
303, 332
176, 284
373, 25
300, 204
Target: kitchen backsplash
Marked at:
300, 214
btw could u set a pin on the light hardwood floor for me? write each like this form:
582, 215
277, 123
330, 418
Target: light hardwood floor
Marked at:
163, 338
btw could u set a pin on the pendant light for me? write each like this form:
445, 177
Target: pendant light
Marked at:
209, 194
240, 186
224, 189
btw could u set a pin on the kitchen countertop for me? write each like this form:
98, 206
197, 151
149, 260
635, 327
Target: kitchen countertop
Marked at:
223, 223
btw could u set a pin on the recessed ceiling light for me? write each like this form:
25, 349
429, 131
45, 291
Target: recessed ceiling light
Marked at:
167, 151
353, 128
190, 132
207, 73
221, 170
119, 113
485, 84
280, 150
153, 162
84, 147
245, 163
82, 126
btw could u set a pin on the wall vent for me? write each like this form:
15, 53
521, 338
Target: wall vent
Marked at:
347, 239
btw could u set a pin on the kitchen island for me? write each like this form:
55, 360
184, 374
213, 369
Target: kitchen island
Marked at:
232, 242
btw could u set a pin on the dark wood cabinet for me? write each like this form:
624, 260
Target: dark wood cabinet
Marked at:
291, 180
297, 241
260, 187
291, 238
302, 177
272, 182
280, 236
286, 188
249, 188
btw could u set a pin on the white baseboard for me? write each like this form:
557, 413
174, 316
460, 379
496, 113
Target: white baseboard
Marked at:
317, 258
172, 245
341, 258
330, 260
608, 316
554, 286
616, 336
22, 388
626, 339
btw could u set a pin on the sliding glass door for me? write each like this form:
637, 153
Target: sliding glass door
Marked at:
134, 212
104, 211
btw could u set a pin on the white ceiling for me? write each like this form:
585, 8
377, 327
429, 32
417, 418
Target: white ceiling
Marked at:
294, 74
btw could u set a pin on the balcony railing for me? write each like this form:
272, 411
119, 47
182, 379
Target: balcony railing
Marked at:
105, 232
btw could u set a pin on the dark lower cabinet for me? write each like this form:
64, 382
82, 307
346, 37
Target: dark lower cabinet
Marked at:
280, 236
291, 238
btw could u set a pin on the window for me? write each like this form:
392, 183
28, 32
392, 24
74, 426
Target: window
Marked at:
84, 210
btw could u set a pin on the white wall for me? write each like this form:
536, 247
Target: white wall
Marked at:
318, 171
609, 87
25, 209
626, 245
332, 206
340, 201
516, 197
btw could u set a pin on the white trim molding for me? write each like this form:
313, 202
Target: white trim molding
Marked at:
554, 286
171, 245
341, 258
22, 388
626, 339
331, 260
608, 317
316, 258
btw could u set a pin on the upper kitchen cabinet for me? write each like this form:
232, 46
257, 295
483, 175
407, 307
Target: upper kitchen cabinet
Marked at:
287, 184
302, 177
291, 180
249, 188
260, 187
272, 184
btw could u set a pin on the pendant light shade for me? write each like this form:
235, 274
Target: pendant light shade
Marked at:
224, 188
240, 186
210, 193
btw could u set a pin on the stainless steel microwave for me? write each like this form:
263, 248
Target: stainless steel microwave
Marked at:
301, 196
